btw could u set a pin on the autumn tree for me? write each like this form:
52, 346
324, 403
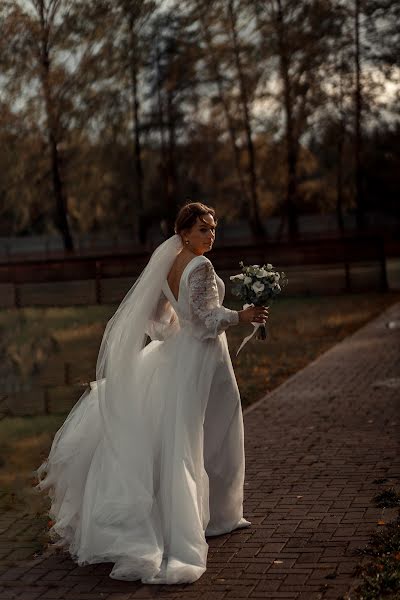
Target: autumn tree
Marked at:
295, 36
214, 57
45, 60
34, 38
114, 113
172, 92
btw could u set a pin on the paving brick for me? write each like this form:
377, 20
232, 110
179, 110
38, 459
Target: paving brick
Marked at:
29, 594
12, 574
270, 585
275, 595
273, 547
6, 594
296, 579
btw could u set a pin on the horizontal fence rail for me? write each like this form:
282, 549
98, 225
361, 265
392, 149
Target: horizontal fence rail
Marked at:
344, 252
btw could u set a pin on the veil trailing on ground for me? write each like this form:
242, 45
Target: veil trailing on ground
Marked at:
113, 406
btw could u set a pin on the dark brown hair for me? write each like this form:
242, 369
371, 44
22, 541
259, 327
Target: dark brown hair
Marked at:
188, 214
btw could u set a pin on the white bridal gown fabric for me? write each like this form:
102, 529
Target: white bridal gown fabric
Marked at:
184, 477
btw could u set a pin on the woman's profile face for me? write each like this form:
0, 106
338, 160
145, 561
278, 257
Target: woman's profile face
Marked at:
202, 235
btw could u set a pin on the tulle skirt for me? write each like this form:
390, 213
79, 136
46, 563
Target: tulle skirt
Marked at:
180, 479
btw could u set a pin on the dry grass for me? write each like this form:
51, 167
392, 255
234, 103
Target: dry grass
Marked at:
23, 443
75, 332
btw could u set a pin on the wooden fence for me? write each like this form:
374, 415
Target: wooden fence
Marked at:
95, 272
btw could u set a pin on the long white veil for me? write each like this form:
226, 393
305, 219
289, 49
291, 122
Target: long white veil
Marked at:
125, 336
112, 413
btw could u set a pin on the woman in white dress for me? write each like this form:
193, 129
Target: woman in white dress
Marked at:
150, 460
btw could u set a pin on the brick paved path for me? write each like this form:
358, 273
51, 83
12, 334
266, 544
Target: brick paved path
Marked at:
314, 448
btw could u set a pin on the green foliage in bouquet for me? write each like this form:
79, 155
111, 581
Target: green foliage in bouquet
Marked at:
258, 285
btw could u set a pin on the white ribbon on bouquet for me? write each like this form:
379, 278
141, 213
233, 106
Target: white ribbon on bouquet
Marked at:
256, 327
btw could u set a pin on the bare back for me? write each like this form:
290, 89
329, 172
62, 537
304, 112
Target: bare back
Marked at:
175, 274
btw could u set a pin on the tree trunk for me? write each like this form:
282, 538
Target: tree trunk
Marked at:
339, 185
228, 117
254, 216
136, 118
360, 218
58, 190
291, 141
340, 145
62, 219
172, 182
164, 158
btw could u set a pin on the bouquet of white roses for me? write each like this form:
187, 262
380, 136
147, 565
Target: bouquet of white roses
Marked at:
257, 286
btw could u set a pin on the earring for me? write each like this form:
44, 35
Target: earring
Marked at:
186, 241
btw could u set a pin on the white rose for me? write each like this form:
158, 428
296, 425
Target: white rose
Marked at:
261, 273
269, 267
240, 276
247, 280
277, 277
258, 287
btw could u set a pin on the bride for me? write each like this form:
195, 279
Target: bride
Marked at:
150, 460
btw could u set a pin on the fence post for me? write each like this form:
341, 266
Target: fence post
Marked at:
46, 400
17, 295
67, 373
98, 281
382, 257
347, 265
347, 276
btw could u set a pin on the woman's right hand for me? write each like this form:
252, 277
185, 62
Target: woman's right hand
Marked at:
253, 314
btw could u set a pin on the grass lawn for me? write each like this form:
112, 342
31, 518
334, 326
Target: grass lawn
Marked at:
299, 329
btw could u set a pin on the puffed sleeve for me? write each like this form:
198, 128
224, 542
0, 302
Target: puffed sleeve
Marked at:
164, 321
208, 316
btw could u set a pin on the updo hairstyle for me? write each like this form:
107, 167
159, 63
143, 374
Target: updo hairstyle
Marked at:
188, 214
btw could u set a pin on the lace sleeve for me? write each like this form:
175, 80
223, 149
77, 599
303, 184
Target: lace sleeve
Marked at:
163, 321
208, 315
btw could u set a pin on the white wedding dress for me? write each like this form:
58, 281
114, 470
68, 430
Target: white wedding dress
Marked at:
183, 479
